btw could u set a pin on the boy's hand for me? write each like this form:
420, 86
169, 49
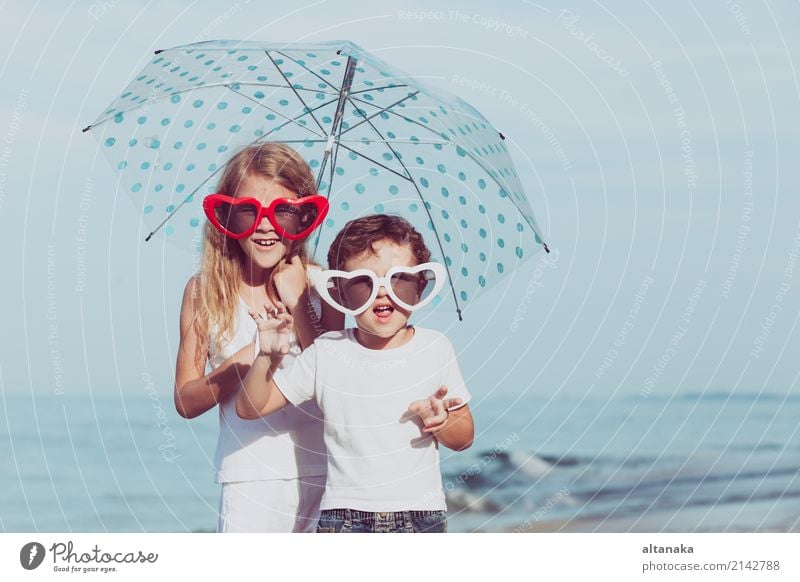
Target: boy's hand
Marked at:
274, 329
433, 409
290, 280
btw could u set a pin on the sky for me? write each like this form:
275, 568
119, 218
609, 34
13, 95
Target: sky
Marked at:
657, 142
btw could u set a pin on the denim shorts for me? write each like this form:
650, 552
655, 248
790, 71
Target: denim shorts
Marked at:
354, 521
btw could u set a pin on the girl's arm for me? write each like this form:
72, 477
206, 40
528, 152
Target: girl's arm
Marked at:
332, 320
307, 325
196, 392
294, 290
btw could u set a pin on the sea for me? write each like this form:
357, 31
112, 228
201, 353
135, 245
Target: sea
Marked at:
696, 462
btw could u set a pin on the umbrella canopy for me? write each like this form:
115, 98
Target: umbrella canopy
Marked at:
377, 140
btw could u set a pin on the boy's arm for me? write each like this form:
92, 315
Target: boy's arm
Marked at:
458, 431
448, 420
259, 395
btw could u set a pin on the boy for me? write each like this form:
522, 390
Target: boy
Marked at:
382, 386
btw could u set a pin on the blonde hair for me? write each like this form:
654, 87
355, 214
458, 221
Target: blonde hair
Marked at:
223, 258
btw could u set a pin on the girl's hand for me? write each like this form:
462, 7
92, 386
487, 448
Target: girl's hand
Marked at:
433, 409
290, 280
274, 329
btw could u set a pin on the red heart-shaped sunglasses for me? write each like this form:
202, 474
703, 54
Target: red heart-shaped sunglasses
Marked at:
292, 218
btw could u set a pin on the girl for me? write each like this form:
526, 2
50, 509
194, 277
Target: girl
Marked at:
272, 470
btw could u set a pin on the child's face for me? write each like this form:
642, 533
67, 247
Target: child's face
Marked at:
264, 247
384, 318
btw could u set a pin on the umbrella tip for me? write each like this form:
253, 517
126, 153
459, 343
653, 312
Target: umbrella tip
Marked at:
147, 238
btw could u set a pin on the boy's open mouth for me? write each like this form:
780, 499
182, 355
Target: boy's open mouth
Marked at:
383, 311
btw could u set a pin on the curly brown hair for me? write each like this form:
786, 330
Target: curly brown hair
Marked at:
361, 234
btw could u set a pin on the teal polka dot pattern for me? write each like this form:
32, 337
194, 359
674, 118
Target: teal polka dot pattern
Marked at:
405, 149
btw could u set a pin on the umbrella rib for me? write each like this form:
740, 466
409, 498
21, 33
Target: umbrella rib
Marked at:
228, 85
379, 88
388, 144
281, 87
183, 202
418, 142
188, 90
296, 94
414, 121
377, 163
212, 174
288, 119
383, 109
439, 243
427, 211
331, 85
474, 159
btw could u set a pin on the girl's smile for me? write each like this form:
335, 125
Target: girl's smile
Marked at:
264, 247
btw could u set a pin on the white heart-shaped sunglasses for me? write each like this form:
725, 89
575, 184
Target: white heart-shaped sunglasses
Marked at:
409, 287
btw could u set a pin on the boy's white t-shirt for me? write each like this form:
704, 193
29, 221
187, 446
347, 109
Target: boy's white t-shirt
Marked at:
379, 459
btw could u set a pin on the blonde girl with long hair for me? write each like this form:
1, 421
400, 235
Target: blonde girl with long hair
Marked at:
255, 261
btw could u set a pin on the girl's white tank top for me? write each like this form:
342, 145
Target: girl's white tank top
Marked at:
283, 445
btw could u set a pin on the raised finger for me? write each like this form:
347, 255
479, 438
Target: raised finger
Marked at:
416, 407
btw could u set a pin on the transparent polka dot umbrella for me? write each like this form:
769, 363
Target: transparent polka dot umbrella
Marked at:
377, 140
